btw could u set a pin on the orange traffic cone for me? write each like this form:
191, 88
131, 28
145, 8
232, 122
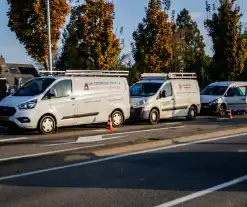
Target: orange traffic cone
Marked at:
229, 114
109, 124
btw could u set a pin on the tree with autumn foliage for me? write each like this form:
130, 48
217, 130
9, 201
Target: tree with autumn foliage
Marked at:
27, 19
89, 41
152, 40
229, 44
189, 48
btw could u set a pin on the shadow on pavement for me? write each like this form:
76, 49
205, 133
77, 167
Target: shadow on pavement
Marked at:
173, 171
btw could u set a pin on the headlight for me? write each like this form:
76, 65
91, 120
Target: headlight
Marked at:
142, 102
28, 105
214, 102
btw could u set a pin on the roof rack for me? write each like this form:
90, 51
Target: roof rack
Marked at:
50, 73
169, 75
86, 73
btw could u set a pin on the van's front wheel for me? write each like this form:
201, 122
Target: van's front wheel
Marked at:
47, 125
117, 118
154, 116
192, 113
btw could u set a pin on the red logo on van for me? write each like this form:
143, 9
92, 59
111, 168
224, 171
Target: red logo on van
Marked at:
86, 87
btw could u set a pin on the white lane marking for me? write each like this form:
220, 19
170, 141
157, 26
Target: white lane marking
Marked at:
14, 139
58, 144
242, 151
203, 192
115, 157
114, 137
172, 123
89, 139
146, 130
96, 139
47, 153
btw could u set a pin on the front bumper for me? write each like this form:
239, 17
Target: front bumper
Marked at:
21, 119
139, 114
206, 108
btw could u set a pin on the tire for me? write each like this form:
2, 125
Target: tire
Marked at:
117, 118
192, 113
47, 125
222, 110
154, 116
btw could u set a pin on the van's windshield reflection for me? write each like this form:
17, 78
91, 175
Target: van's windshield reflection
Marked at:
144, 89
214, 90
34, 87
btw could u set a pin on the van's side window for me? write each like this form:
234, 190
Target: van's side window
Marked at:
238, 91
168, 89
62, 89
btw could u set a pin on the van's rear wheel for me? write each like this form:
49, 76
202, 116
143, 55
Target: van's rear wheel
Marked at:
47, 125
154, 116
192, 113
117, 118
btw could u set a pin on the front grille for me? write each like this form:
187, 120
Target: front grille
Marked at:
136, 113
7, 111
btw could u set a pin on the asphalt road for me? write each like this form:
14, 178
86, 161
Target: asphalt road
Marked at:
32, 145
163, 177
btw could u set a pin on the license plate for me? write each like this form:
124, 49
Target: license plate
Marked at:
4, 118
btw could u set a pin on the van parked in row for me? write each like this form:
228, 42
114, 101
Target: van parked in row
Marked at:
219, 96
71, 98
159, 96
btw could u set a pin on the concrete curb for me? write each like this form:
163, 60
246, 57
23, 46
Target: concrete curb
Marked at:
156, 144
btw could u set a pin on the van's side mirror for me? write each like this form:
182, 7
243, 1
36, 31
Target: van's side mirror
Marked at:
229, 93
163, 94
12, 91
50, 94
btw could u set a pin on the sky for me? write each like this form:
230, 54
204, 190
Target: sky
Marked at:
128, 14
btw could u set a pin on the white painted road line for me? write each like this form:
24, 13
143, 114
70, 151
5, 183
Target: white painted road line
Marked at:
89, 139
146, 130
100, 130
203, 192
99, 138
58, 144
47, 153
115, 157
242, 151
170, 123
14, 139
83, 140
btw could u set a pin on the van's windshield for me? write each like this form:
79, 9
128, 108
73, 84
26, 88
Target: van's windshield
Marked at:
214, 90
144, 89
34, 87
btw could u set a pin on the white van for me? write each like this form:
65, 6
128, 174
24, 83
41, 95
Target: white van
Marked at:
219, 96
159, 95
72, 98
